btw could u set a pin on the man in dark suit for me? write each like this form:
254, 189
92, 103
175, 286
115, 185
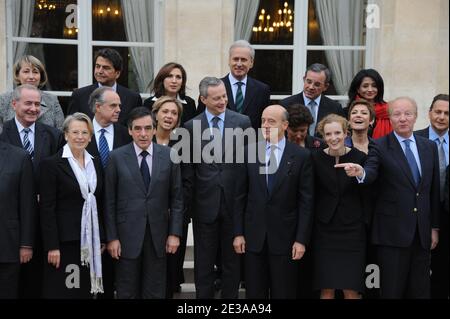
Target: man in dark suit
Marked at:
108, 65
40, 141
108, 135
17, 216
143, 210
406, 213
209, 188
273, 219
315, 83
246, 95
438, 133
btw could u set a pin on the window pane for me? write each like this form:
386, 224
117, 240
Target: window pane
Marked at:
62, 72
348, 29
109, 20
137, 76
274, 67
274, 23
355, 58
47, 19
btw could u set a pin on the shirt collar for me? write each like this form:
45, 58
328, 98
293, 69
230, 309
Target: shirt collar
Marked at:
433, 135
400, 139
233, 80
139, 150
280, 145
210, 116
67, 153
20, 127
98, 127
307, 100
114, 87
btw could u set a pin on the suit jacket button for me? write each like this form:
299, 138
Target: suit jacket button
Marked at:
415, 210
417, 194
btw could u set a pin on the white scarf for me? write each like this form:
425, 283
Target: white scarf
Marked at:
90, 235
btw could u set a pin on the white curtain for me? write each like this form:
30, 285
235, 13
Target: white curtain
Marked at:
245, 12
138, 20
22, 20
341, 23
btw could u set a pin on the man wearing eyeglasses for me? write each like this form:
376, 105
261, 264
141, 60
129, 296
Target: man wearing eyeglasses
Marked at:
405, 224
315, 82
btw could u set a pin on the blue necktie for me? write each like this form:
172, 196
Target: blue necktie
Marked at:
442, 165
103, 148
27, 143
215, 124
412, 162
239, 97
271, 177
144, 170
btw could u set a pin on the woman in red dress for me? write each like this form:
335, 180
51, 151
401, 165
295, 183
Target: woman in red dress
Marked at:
368, 84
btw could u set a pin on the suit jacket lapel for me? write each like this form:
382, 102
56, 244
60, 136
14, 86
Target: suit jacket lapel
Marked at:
63, 163
156, 163
40, 140
250, 92
399, 155
227, 83
13, 134
284, 168
260, 165
422, 158
133, 166
3, 156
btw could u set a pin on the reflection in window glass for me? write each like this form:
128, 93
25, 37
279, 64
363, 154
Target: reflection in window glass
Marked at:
49, 19
274, 67
274, 23
107, 21
60, 62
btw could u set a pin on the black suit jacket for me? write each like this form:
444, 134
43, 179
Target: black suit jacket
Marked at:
282, 217
61, 202
121, 138
17, 202
257, 98
128, 99
401, 207
424, 133
48, 140
326, 106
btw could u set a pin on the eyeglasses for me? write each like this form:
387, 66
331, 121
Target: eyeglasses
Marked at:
408, 115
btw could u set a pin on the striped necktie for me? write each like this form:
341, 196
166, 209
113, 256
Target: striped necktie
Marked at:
27, 143
239, 103
103, 148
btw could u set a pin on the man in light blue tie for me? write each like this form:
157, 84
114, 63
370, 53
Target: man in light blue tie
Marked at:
406, 213
438, 133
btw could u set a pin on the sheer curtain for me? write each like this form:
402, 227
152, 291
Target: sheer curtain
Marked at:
245, 12
341, 23
22, 20
138, 20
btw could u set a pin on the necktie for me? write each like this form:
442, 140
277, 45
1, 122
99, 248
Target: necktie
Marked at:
145, 170
312, 107
103, 148
412, 162
271, 174
26, 142
215, 124
239, 97
442, 164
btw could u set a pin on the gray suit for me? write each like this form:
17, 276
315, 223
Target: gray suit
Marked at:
209, 189
17, 214
136, 216
51, 112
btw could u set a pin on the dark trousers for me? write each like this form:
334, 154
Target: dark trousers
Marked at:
405, 272
9, 280
107, 276
440, 262
270, 276
31, 273
175, 273
207, 238
143, 277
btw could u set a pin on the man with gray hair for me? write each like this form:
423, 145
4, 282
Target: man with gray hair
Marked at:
246, 95
40, 141
105, 104
209, 191
315, 82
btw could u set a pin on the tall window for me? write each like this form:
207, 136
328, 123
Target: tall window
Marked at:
289, 35
64, 35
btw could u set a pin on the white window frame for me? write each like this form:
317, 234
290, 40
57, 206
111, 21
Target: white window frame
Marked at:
85, 43
300, 49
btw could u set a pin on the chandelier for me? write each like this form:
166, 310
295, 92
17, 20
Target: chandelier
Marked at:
43, 5
279, 22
